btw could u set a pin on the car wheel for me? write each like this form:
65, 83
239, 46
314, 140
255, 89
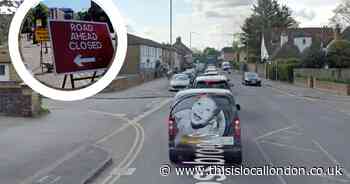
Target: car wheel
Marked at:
173, 157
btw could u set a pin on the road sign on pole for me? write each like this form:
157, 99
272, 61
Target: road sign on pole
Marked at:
80, 46
42, 34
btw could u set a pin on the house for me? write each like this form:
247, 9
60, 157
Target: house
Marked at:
292, 43
228, 54
7, 71
61, 13
168, 55
143, 56
185, 54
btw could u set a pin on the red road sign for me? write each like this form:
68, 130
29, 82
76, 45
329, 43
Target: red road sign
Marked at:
80, 46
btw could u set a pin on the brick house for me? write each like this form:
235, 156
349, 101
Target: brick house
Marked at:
228, 55
7, 71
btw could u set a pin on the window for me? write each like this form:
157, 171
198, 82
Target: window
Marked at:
2, 70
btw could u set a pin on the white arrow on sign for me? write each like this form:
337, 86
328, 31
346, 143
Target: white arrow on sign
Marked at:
79, 60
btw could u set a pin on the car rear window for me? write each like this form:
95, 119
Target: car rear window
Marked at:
203, 115
181, 77
212, 84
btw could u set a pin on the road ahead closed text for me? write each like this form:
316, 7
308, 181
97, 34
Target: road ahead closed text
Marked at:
80, 46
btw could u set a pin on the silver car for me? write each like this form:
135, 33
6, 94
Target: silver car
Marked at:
179, 82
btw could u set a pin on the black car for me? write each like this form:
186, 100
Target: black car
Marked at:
251, 79
204, 126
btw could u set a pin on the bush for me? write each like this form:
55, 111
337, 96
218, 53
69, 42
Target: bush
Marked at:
339, 54
314, 58
283, 70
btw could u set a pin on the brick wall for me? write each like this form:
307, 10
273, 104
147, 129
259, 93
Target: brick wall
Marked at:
132, 61
17, 100
341, 89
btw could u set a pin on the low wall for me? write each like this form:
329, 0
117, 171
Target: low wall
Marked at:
124, 82
340, 89
336, 74
301, 82
18, 100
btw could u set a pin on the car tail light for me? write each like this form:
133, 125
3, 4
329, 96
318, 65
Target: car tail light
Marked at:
172, 127
237, 129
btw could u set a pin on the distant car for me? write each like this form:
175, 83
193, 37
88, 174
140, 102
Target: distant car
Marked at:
218, 81
179, 82
251, 79
210, 73
226, 66
204, 125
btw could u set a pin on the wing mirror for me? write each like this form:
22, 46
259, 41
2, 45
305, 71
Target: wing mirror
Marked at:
238, 107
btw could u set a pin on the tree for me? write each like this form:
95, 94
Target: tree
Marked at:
267, 14
211, 52
41, 11
341, 14
339, 54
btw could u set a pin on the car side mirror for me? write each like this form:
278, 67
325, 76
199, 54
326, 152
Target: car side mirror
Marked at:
238, 107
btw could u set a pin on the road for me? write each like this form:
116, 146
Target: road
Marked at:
279, 128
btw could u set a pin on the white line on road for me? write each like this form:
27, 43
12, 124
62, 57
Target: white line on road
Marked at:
274, 132
289, 146
115, 175
331, 157
268, 159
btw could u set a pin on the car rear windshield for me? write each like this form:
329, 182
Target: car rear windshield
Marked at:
203, 115
181, 77
212, 84
252, 76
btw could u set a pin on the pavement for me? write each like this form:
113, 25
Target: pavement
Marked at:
279, 128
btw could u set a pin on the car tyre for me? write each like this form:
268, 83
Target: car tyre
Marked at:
173, 157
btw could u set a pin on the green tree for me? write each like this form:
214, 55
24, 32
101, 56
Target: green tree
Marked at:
341, 14
83, 15
339, 54
267, 14
211, 52
41, 11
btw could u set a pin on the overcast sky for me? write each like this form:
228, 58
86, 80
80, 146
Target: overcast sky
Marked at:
212, 20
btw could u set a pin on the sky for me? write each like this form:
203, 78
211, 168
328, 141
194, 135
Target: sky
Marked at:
212, 21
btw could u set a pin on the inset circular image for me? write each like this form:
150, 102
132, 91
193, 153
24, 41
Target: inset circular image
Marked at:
67, 51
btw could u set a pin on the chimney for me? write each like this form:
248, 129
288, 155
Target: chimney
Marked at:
178, 40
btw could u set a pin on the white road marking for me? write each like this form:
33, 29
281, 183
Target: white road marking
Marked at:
53, 166
289, 146
331, 157
115, 175
293, 95
268, 159
274, 132
292, 132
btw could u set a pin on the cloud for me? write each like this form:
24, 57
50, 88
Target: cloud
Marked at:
305, 14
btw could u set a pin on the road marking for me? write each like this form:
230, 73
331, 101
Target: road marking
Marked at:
289, 146
53, 166
115, 175
331, 157
124, 172
293, 95
274, 132
292, 132
268, 159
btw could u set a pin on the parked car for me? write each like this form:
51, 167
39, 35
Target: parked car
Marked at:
205, 117
251, 79
218, 81
179, 82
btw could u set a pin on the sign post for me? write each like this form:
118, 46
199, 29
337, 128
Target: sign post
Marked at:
80, 46
42, 36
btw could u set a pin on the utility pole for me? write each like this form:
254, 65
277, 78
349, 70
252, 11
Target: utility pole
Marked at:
172, 55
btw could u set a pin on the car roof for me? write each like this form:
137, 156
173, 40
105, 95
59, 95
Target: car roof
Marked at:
212, 78
201, 91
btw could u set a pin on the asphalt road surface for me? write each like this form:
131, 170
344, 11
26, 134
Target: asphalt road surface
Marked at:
278, 129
